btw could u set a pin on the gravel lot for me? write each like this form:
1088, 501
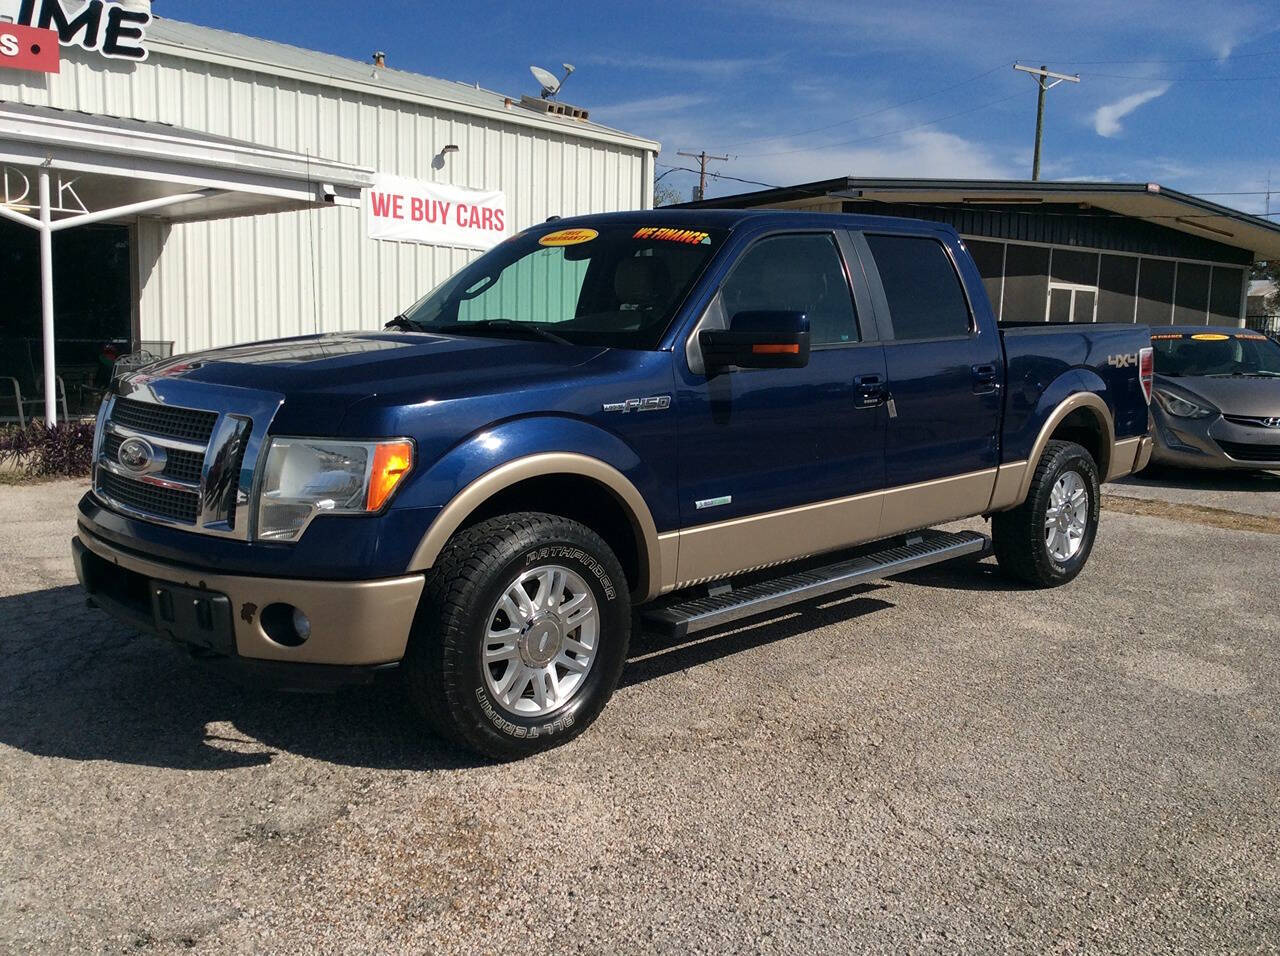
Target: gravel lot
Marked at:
943, 762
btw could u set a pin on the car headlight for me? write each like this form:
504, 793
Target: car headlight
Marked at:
1180, 407
305, 477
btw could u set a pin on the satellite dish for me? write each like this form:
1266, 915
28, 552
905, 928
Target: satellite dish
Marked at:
547, 80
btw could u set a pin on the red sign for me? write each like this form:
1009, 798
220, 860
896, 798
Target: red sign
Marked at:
26, 48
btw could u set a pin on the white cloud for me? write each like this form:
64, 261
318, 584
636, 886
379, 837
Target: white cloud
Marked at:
723, 68
1106, 121
646, 110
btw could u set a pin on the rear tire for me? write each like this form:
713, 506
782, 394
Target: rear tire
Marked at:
521, 635
1046, 540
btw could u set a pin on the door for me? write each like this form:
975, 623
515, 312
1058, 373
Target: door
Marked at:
757, 442
1071, 303
945, 378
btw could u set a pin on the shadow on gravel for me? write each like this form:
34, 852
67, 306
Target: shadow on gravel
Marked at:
1191, 480
75, 684
653, 655
962, 575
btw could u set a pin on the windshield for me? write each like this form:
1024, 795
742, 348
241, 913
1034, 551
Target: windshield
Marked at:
614, 285
1216, 354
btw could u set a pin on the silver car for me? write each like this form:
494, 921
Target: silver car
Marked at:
1217, 398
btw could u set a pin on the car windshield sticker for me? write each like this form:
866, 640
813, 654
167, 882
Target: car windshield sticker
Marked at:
688, 236
568, 237
1211, 337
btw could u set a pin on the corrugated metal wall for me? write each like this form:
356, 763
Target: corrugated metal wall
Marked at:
208, 284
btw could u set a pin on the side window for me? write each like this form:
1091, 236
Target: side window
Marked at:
926, 300
799, 273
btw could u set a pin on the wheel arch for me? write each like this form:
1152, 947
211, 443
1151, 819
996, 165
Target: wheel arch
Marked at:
590, 487
1082, 417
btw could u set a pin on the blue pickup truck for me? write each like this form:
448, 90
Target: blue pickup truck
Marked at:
668, 419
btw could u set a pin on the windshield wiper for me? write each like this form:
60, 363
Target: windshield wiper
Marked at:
503, 325
404, 324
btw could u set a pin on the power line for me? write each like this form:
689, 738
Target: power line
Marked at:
702, 159
1205, 59
1181, 79
862, 116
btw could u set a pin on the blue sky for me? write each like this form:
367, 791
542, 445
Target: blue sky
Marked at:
1186, 93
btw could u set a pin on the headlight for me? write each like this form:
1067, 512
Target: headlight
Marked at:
305, 477
1182, 408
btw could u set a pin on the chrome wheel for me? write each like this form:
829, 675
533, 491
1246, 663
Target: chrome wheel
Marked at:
1067, 518
540, 642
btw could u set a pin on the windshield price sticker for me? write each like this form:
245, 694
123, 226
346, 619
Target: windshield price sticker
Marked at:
1211, 337
568, 237
688, 236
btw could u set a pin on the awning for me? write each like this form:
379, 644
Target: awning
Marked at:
120, 162
61, 169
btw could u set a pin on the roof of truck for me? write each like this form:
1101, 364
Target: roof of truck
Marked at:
731, 218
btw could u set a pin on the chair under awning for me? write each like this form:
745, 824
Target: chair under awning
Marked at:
67, 169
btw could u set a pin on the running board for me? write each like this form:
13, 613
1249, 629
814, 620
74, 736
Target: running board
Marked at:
916, 551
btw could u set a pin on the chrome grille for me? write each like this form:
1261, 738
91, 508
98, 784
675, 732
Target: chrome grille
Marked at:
182, 506
185, 424
179, 465
1254, 422
188, 466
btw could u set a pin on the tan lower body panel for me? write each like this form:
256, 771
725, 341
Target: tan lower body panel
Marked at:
760, 541
352, 622
1129, 455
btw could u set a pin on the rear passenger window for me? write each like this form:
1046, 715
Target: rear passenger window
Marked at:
800, 273
926, 300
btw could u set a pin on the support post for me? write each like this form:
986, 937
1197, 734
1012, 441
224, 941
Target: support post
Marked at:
46, 303
1035, 163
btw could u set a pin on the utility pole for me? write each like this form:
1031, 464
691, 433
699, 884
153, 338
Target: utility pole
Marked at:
1042, 77
702, 159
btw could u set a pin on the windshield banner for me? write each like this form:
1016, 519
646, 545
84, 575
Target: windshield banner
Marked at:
409, 210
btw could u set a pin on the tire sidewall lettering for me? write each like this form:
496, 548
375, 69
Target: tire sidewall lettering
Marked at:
584, 559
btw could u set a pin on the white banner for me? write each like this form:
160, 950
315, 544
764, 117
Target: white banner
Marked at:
409, 210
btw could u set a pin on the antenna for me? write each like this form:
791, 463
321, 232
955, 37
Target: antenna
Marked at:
547, 80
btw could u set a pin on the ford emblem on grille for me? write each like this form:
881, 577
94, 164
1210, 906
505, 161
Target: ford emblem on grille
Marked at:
140, 457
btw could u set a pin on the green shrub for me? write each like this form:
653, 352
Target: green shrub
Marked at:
64, 451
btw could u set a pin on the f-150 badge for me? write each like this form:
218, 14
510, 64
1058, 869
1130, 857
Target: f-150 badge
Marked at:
654, 403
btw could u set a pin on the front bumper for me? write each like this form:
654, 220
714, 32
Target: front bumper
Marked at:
1215, 443
354, 624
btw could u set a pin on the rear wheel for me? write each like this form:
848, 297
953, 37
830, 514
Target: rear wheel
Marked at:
522, 635
1047, 539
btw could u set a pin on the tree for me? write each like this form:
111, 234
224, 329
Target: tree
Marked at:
665, 194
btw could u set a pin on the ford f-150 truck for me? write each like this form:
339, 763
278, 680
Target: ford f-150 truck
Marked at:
674, 418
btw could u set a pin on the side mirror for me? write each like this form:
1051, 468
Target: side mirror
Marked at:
758, 340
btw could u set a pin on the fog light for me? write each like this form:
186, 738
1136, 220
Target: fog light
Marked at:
285, 624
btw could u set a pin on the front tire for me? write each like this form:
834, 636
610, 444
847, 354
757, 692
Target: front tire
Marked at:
1046, 540
521, 636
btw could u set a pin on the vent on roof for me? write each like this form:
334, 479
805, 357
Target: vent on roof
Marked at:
552, 107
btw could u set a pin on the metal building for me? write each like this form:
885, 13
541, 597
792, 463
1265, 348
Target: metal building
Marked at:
1070, 252
278, 151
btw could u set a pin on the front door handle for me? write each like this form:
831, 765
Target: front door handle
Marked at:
871, 391
985, 379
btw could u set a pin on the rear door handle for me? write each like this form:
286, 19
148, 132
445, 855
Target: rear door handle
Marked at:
985, 379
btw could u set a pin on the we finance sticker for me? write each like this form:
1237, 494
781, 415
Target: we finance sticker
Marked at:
665, 234
568, 237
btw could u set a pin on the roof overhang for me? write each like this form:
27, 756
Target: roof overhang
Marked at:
1146, 201
116, 163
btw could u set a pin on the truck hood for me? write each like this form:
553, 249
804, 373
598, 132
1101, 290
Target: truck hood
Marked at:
1249, 397
344, 368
